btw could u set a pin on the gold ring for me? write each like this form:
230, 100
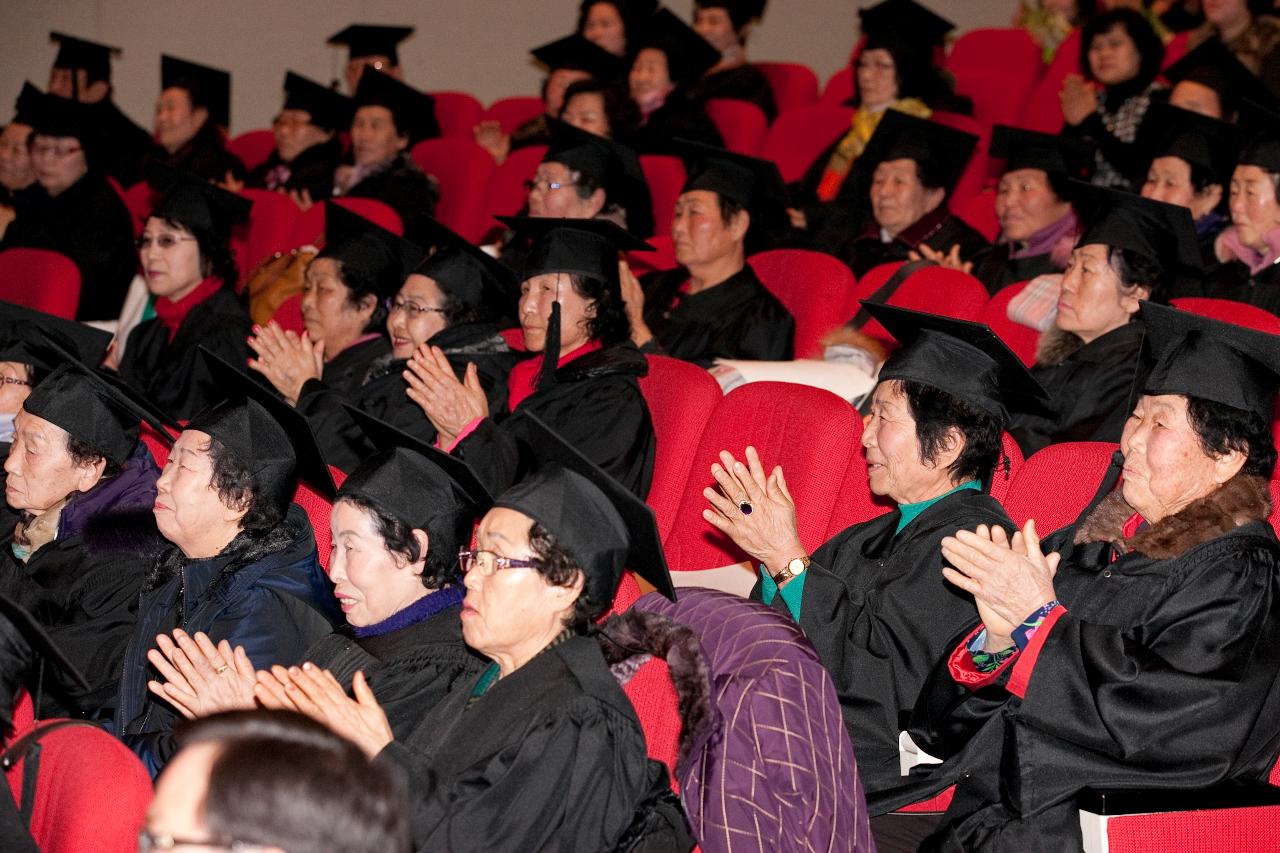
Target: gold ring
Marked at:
222, 669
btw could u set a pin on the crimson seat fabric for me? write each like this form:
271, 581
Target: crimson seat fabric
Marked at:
793, 84
288, 314
816, 288
974, 175
464, 171
318, 507
663, 256
1043, 111
1230, 311
936, 289
1019, 338
800, 134
270, 229
1007, 467
840, 87
742, 124
253, 147
665, 175
979, 212
137, 199
456, 113
1056, 483
1008, 49
510, 113
506, 190
41, 279
308, 229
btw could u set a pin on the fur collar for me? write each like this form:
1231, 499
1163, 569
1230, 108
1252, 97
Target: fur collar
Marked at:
1056, 346
1239, 501
629, 639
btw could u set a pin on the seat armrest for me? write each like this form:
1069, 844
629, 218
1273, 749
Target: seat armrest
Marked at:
1098, 806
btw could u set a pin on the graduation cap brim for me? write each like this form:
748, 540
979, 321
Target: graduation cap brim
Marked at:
213, 85
904, 137
310, 466
75, 340
725, 172
1169, 131
328, 109
42, 645
364, 244
412, 109
645, 556
1161, 232
1028, 149
1261, 125
586, 247
576, 53
456, 259
75, 52
372, 40
905, 16
125, 395
689, 55
384, 436
1214, 65
958, 358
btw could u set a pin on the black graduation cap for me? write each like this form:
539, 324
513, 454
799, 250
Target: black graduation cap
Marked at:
75, 53
43, 647
935, 148
576, 53
328, 109
208, 87
1212, 64
27, 104
270, 438
52, 115
1221, 362
372, 40
1169, 131
1027, 149
1262, 126
614, 166
962, 358
751, 182
194, 203
689, 55
25, 332
906, 19
362, 244
594, 517
463, 271
741, 12
587, 247
412, 109
1162, 233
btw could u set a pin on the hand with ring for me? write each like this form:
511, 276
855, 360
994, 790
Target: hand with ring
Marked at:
754, 510
200, 678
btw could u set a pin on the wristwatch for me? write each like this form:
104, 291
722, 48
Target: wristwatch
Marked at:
793, 569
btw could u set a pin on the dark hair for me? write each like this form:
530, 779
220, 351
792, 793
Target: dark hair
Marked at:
83, 453
622, 113
280, 779
442, 564
239, 489
729, 208
1150, 48
1222, 429
559, 568
610, 325
930, 172
935, 412
360, 284
632, 16
1135, 270
216, 257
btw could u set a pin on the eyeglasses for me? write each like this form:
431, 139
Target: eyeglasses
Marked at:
164, 241
412, 310
148, 841
873, 65
9, 380
544, 185
55, 151
487, 562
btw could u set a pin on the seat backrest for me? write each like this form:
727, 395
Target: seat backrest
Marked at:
1231, 311
510, 113
681, 397
665, 175
253, 147
464, 171
41, 279
157, 446
506, 189
855, 503
1056, 483
800, 134
938, 290
793, 84
1275, 525
318, 507
288, 314
663, 256
741, 123
273, 220
308, 229
840, 87
653, 696
1043, 111
815, 287
998, 96
811, 433
139, 199
1007, 467
1007, 49
979, 213
1019, 338
456, 113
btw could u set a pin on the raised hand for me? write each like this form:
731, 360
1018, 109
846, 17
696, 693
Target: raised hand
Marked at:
200, 678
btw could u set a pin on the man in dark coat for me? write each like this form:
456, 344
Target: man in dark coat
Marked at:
671, 60
192, 117
307, 148
726, 24
713, 305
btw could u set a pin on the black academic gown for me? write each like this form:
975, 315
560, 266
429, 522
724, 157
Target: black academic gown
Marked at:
550, 758
743, 83
994, 268
680, 117
383, 395
737, 318
349, 369
204, 155
1233, 281
310, 172
90, 225
880, 615
1088, 391
408, 191
938, 230
1160, 674
122, 145
594, 403
171, 373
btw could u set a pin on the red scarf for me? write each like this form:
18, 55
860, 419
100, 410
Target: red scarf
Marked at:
520, 383
171, 314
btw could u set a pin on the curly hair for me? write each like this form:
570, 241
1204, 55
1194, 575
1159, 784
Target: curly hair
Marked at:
1136, 27
620, 111
610, 324
935, 412
361, 283
559, 568
1135, 270
1222, 429
238, 489
83, 453
441, 566
216, 256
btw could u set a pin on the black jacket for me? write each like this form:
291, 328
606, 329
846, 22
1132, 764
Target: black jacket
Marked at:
204, 155
682, 116
122, 145
744, 83
408, 191
311, 171
994, 268
938, 230
1233, 280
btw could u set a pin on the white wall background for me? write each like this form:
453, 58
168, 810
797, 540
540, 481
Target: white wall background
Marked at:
478, 46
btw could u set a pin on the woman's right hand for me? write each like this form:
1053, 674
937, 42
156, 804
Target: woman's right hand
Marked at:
450, 405
769, 532
315, 692
1078, 99
200, 678
489, 136
633, 301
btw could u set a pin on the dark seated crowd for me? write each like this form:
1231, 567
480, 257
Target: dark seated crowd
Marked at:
441, 682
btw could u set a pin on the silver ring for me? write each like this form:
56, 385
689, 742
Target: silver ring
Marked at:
745, 508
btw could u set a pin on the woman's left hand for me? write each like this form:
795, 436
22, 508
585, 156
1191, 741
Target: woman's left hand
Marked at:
450, 405
1009, 580
316, 693
199, 678
1078, 99
951, 260
769, 531
286, 359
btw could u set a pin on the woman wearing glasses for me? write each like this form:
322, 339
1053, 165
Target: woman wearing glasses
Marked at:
186, 262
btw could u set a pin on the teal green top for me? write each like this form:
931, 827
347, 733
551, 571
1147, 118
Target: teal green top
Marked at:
793, 592
487, 679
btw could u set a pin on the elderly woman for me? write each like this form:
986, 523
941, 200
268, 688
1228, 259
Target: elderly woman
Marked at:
585, 385
1135, 649
1131, 249
614, 25
397, 523
190, 271
672, 59
192, 117
345, 296
1120, 55
542, 751
872, 599
307, 146
600, 107
447, 308
1249, 248
241, 562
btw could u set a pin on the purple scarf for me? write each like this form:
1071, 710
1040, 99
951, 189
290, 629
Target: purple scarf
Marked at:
1050, 240
424, 608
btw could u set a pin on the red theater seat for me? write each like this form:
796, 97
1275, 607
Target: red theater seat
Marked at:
793, 84
1230, 311
741, 123
253, 147
840, 87
270, 229
464, 171
309, 227
979, 213
318, 507
506, 190
800, 134
513, 112
938, 290
816, 288
1055, 484
1019, 338
456, 113
40, 279
665, 175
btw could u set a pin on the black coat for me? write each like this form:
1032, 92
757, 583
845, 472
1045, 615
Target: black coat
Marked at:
938, 230
383, 394
550, 758
311, 171
1233, 281
737, 318
349, 370
171, 373
408, 191
994, 268
90, 225
595, 404
1088, 391
122, 145
681, 117
744, 83
204, 155
1160, 674
881, 615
